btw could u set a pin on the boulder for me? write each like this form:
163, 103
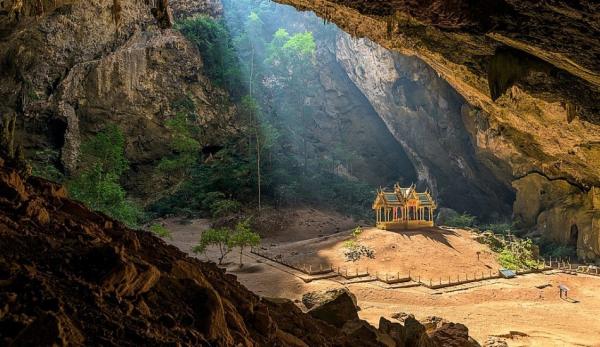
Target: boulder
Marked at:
452, 335
360, 329
394, 330
432, 323
312, 299
416, 334
336, 308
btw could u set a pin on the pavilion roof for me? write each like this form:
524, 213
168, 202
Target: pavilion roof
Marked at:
399, 195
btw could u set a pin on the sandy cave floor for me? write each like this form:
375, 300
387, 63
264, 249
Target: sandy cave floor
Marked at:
494, 307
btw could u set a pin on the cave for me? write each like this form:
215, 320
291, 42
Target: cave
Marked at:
203, 172
574, 235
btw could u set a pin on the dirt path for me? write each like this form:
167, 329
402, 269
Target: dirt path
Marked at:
515, 309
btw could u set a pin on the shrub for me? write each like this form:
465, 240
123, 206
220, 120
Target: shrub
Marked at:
358, 251
498, 228
463, 220
354, 250
224, 207
518, 254
551, 249
44, 165
161, 231
102, 162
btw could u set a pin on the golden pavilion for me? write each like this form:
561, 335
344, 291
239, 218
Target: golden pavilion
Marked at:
403, 208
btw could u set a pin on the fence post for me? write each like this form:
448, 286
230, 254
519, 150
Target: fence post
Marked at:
448, 279
430, 283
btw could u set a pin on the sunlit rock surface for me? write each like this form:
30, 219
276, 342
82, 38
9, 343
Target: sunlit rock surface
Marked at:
533, 90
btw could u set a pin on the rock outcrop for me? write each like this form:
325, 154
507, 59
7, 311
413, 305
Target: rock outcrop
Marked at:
336, 307
70, 276
531, 88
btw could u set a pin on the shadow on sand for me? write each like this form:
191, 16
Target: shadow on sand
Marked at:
434, 234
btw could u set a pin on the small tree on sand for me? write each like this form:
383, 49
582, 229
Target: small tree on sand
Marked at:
221, 237
244, 237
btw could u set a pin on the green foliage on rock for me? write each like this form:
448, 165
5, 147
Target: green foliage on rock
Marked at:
214, 42
96, 184
44, 165
183, 145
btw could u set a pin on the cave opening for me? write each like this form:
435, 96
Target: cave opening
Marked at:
56, 132
370, 126
574, 235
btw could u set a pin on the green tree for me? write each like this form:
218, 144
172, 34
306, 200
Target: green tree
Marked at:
293, 59
183, 144
244, 237
96, 184
213, 40
220, 237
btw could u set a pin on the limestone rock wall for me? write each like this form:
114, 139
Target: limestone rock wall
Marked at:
72, 66
425, 116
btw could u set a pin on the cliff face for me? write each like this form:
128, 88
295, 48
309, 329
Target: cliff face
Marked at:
425, 115
343, 114
69, 68
531, 89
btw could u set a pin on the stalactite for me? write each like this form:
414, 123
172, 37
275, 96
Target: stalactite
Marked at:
116, 11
